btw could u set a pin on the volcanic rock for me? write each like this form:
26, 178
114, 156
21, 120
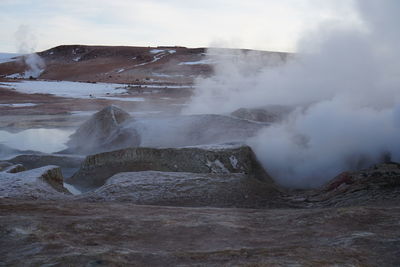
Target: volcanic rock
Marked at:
15, 168
42, 183
185, 189
4, 165
376, 186
68, 163
96, 169
102, 132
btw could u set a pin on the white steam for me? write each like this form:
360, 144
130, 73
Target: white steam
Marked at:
345, 84
35, 65
26, 43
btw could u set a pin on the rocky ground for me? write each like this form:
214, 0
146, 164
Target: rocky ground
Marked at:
115, 234
152, 218
136, 188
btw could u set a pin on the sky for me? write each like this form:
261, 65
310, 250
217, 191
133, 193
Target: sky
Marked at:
252, 24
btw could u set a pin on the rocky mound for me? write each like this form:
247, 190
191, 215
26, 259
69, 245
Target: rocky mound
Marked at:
42, 183
68, 163
8, 167
4, 165
186, 189
112, 129
102, 132
96, 169
378, 185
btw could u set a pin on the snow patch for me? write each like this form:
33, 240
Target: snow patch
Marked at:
168, 86
158, 54
199, 62
155, 59
72, 189
68, 89
15, 76
234, 162
156, 51
18, 105
217, 166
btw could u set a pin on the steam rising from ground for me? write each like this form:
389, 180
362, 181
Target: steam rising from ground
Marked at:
26, 43
345, 86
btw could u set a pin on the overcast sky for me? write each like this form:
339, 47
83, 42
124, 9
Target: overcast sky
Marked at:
254, 24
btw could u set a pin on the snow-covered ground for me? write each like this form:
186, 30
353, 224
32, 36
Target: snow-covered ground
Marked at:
157, 51
18, 105
72, 89
109, 91
199, 62
158, 54
8, 57
156, 58
166, 86
15, 76
72, 189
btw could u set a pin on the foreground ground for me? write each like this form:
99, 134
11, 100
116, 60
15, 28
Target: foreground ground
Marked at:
121, 234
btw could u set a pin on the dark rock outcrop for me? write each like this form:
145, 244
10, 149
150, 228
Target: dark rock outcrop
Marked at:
376, 186
186, 189
96, 169
15, 168
9, 167
68, 163
5, 165
102, 132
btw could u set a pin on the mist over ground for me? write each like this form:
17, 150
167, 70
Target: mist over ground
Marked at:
344, 85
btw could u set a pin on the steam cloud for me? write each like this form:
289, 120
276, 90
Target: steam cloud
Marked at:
344, 84
26, 43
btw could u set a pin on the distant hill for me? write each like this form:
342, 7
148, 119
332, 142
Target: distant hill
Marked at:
124, 64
